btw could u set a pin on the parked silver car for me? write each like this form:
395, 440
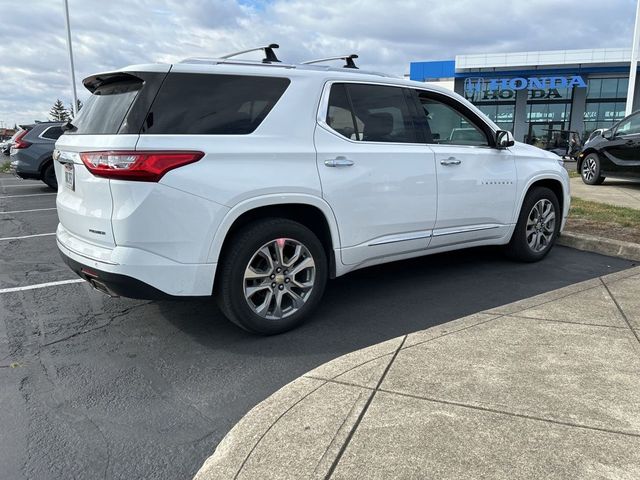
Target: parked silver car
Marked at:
32, 150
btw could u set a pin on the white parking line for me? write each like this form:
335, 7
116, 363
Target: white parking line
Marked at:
28, 236
27, 185
40, 285
27, 211
28, 195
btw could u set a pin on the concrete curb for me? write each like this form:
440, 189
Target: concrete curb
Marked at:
302, 429
604, 246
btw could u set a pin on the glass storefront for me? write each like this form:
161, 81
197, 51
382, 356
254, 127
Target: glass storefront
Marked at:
550, 103
605, 104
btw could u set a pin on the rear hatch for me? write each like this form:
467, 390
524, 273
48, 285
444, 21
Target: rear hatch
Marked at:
110, 120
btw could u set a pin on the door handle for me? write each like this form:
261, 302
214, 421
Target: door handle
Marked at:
450, 161
338, 162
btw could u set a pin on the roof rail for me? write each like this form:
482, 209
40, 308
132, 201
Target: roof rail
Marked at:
349, 63
269, 54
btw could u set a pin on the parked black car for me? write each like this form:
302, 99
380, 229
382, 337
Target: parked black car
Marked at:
612, 153
32, 152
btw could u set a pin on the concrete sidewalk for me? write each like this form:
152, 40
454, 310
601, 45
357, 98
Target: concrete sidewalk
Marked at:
621, 193
548, 387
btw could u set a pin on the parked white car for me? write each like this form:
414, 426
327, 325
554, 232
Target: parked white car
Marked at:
256, 182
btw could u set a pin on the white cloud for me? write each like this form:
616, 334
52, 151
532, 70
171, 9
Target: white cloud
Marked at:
387, 35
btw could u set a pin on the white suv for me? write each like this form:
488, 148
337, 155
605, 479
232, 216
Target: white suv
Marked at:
257, 182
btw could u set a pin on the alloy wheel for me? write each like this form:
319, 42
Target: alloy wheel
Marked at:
541, 225
589, 168
279, 278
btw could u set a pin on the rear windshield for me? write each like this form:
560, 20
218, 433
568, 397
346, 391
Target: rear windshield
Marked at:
209, 104
105, 110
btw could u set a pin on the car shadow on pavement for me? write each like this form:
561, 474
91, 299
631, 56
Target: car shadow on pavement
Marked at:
382, 302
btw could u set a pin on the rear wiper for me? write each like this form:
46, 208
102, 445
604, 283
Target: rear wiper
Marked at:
68, 127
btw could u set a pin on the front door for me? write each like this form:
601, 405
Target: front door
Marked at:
622, 151
378, 179
476, 182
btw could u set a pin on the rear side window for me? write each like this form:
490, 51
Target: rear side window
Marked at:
205, 104
375, 113
52, 133
105, 110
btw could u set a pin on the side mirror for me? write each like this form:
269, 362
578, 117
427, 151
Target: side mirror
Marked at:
504, 139
608, 134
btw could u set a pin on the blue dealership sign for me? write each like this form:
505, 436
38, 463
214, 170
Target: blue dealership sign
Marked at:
479, 84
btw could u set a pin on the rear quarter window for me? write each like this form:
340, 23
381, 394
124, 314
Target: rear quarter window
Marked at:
208, 104
52, 133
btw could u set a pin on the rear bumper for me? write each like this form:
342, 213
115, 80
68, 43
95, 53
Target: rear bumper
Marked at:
25, 166
113, 284
134, 273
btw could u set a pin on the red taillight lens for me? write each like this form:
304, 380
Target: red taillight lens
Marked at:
18, 142
140, 166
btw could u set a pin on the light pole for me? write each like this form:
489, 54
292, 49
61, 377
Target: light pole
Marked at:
634, 63
74, 107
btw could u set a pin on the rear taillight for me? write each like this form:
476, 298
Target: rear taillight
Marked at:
18, 142
140, 166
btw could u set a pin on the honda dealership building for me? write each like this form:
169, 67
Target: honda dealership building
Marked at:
534, 94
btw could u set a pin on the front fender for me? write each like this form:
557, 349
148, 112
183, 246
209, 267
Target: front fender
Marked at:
559, 177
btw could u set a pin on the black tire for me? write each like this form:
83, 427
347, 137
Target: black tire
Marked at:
49, 176
229, 290
519, 247
590, 170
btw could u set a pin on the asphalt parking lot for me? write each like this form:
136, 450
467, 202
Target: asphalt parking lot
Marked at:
97, 387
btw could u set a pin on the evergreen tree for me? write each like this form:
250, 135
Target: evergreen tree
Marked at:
70, 110
58, 112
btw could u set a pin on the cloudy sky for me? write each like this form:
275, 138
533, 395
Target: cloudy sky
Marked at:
386, 34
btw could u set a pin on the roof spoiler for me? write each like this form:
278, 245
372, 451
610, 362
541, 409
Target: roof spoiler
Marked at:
98, 80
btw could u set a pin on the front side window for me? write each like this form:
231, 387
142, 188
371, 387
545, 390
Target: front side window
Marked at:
370, 113
447, 125
630, 126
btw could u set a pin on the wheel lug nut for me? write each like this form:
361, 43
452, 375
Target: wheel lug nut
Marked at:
273, 285
278, 269
280, 287
272, 276
286, 272
286, 280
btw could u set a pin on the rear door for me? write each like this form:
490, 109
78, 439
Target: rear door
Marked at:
377, 174
110, 120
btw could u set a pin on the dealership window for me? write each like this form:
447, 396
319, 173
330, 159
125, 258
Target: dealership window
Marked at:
548, 112
606, 101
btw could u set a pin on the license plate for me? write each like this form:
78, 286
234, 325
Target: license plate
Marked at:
69, 176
